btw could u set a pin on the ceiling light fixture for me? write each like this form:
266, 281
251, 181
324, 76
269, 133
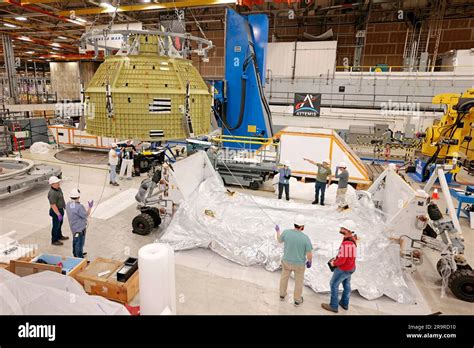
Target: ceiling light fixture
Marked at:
55, 44
24, 38
30, 52
62, 38
9, 25
21, 18
107, 5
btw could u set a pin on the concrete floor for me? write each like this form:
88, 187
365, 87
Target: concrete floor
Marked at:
205, 282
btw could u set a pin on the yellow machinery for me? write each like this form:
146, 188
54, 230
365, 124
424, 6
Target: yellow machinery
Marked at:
146, 95
452, 137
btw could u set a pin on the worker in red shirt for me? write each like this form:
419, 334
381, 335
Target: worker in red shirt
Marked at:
345, 264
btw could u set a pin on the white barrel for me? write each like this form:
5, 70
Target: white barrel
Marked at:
157, 279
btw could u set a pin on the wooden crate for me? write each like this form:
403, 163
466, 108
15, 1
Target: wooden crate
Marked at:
24, 268
33, 254
107, 285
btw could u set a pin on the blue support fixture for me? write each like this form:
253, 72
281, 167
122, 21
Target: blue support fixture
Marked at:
245, 110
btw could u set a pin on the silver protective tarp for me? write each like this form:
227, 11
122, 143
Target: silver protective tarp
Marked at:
242, 230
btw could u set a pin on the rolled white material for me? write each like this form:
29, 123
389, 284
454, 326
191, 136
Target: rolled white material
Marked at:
157, 279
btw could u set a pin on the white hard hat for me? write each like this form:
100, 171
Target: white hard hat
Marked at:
75, 193
299, 220
54, 180
287, 163
113, 145
348, 225
342, 165
327, 160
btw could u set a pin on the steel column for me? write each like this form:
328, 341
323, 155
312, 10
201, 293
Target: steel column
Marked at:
9, 59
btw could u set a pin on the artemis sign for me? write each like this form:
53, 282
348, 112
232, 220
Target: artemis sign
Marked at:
307, 104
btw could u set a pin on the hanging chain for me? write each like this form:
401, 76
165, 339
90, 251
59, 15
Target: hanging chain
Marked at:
198, 25
111, 23
179, 17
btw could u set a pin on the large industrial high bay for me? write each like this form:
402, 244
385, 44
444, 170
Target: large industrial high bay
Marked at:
211, 157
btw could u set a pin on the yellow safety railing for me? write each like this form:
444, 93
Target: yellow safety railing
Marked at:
243, 140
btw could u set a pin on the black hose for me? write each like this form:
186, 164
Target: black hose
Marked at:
243, 94
464, 105
426, 171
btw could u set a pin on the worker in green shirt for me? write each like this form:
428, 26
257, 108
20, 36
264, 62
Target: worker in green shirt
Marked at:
323, 179
296, 252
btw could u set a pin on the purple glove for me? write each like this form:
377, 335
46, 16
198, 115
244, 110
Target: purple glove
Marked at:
91, 203
277, 228
60, 218
308, 264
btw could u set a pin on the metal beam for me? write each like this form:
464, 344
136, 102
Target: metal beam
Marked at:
147, 7
32, 2
39, 10
9, 60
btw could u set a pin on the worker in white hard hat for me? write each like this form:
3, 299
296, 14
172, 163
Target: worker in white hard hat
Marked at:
297, 253
343, 175
212, 153
344, 266
128, 154
284, 180
323, 179
77, 217
113, 162
56, 210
